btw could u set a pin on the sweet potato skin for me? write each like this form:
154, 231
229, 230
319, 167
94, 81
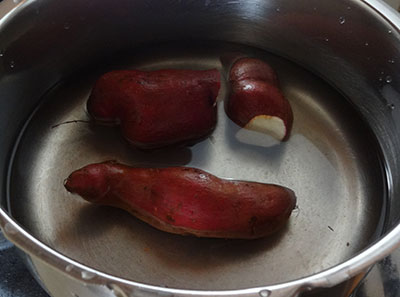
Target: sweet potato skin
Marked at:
252, 69
254, 91
185, 200
157, 108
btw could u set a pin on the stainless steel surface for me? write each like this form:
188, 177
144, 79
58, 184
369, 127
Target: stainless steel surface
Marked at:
330, 162
393, 3
16, 281
45, 41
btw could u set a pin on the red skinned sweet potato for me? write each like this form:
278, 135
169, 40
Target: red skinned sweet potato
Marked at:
185, 200
253, 69
256, 102
157, 108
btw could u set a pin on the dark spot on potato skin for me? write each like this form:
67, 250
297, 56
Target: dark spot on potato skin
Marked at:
252, 223
170, 218
179, 206
253, 220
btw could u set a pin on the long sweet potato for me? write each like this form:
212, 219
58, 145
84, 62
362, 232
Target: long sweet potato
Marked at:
157, 108
256, 102
186, 200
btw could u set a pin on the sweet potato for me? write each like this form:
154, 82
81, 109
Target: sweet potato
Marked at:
256, 102
185, 200
252, 69
157, 108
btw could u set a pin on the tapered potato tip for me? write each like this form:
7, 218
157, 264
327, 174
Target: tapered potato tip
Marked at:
90, 182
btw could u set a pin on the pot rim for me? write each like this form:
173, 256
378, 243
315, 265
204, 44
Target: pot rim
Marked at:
324, 279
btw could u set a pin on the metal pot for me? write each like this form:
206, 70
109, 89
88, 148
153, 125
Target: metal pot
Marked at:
350, 50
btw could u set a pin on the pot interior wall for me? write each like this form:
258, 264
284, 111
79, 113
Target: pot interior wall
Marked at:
343, 42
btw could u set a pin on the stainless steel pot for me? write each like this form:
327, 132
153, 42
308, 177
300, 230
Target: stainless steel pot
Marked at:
352, 45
